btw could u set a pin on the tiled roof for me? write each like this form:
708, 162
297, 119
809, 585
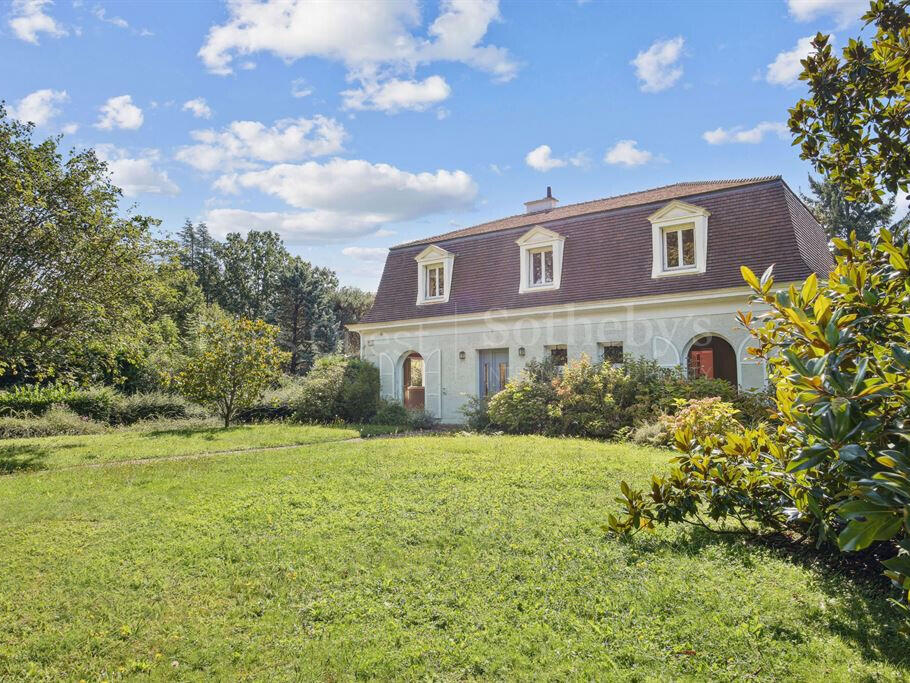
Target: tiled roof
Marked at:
757, 223
657, 194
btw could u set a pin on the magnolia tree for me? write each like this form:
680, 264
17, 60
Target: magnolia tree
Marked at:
833, 463
236, 362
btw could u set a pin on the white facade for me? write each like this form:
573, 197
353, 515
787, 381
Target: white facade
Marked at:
661, 328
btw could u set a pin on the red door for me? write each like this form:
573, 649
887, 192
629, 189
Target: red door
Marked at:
701, 363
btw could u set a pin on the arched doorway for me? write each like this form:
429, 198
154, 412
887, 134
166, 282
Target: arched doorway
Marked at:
413, 388
712, 356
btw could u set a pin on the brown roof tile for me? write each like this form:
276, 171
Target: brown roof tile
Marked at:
657, 194
607, 253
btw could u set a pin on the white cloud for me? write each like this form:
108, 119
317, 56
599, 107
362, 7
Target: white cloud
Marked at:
299, 88
844, 11
752, 136
786, 67
39, 107
342, 198
395, 94
377, 40
101, 14
377, 254
199, 107
244, 144
136, 175
69, 128
627, 153
28, 19
355, 186
364, 36
541, 159
657, 67
120, 112
303, 227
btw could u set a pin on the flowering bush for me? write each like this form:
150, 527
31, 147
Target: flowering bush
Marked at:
703, 417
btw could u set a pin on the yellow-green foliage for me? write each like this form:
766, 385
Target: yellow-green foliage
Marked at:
239, 359
838, 466
703, 417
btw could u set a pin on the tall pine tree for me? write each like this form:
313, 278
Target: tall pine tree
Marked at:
305, 313
838, 216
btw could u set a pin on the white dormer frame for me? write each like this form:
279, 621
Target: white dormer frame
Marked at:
536, 239
673, 216
432, 256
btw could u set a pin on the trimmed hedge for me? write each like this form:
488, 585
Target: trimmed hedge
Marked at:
100, 404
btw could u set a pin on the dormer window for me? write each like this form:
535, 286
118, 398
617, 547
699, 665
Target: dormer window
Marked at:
434, 275
541, 260
679, 240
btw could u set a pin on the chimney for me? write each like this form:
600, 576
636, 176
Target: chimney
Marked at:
545, 204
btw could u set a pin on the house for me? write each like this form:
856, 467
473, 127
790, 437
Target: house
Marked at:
653, 273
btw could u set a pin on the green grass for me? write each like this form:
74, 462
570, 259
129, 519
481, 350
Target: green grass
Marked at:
169, 439
413, 558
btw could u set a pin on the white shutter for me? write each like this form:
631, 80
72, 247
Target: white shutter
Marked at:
432, 382
664, 352
387, 376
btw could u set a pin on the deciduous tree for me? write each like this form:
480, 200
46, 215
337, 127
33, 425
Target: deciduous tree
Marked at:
72, 270
855, 125
236, 362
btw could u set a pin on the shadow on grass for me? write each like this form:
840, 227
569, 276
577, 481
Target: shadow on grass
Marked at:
868, 621
207, 433
21, 458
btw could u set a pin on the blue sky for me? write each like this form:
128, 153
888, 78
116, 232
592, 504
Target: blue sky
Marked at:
349, 127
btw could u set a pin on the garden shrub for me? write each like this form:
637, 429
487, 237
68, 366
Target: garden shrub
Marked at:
33, 399
595, 399
391, 413
58, 420
703, 417
523, 407
153, 405
421, 420
837, 467
476, 414
276, 404
339, 388
584, 405
96, 403
651, 434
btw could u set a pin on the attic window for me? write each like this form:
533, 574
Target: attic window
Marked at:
679, 240
434, 275
540, 251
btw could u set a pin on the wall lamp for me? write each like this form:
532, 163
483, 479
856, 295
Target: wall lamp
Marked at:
521, 351
461, 355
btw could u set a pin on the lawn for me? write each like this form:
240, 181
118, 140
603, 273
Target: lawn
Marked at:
413, 558
168, 440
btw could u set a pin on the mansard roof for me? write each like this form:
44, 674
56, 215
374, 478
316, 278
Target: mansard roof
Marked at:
607, 255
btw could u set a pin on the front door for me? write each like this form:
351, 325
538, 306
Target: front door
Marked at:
701, 363
494, 371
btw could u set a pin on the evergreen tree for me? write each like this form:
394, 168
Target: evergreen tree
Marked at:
839, 216
189, 247
351, 303
305, 313
208, 266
